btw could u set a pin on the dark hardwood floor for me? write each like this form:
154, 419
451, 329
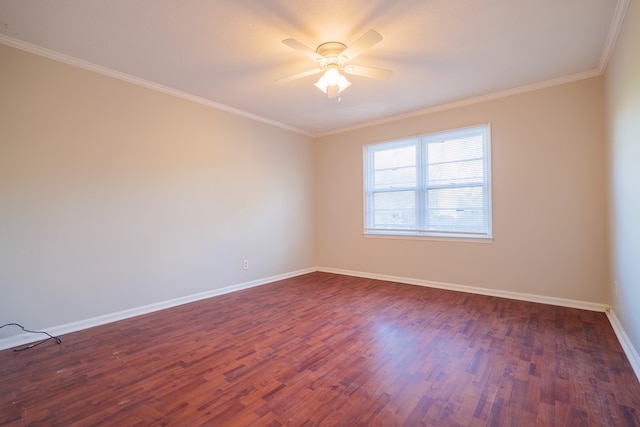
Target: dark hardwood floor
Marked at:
324, 349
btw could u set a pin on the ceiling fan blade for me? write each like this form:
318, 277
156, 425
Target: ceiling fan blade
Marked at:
296, 45
370, 38
299, 75
374, 73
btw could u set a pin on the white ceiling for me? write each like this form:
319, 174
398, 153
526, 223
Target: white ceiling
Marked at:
228, 53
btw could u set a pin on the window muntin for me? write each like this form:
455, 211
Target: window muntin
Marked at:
430, 185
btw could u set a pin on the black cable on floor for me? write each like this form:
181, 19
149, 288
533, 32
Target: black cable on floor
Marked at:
51, 337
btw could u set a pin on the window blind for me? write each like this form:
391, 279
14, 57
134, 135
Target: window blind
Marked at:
434, 185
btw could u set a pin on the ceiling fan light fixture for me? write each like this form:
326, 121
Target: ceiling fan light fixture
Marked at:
332, 82
331, 76
343, 83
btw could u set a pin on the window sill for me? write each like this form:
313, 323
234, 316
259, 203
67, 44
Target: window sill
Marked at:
483, 240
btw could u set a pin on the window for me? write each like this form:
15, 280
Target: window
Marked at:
430, 185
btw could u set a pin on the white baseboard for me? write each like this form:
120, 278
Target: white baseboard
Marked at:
27, 338
625, 342
563, 302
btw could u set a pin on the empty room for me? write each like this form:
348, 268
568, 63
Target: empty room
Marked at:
320, 213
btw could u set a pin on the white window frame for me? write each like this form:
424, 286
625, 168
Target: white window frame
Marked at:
422, 229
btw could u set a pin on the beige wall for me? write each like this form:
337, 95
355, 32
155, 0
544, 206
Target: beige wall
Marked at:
623, 113
549, 203
113, 196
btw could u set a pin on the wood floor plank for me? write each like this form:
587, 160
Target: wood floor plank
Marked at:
326, 349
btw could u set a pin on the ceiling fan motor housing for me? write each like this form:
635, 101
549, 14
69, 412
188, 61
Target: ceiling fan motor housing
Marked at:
331, 51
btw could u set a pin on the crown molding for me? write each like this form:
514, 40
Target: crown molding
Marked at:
89, 66
612, 37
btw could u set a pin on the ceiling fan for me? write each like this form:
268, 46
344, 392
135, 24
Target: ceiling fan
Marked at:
333, 58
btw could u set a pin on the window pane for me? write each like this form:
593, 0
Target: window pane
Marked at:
457, 209
394, 168
394, 178
394, 158
394, 209
464, 172
456, 198
451, 220
453, 150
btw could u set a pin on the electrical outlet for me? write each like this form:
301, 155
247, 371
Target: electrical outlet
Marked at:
245, 264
